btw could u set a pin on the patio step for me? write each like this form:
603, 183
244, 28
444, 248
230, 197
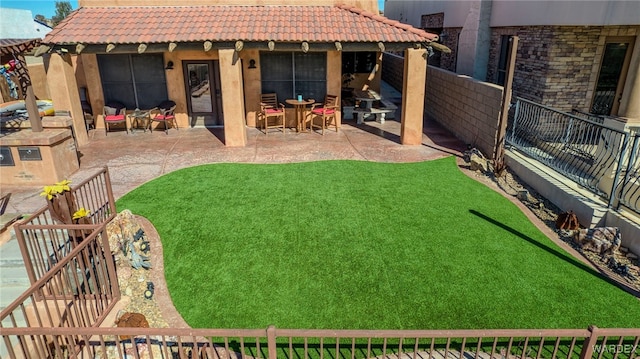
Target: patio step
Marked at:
13, 283
13, 275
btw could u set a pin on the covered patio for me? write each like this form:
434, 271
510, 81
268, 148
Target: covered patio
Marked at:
239, 51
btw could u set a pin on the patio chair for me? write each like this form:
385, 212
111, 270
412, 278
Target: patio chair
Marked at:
114, 113
166, 115
270, 108
89, 121
322, 114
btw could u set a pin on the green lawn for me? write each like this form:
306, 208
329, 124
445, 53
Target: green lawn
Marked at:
351, 244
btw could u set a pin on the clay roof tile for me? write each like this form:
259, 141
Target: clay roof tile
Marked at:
130, 24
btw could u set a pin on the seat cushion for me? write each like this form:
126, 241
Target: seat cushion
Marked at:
114, 118
321, 111
271, 111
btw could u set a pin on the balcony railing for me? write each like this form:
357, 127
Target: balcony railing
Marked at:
43, 242
272, 343
581, 147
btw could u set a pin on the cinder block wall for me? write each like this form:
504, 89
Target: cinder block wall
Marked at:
468, 108
393, 70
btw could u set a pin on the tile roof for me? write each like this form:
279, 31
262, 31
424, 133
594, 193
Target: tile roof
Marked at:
220, 23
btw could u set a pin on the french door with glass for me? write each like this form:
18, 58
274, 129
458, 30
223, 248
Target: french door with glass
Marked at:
204, 99
612, 75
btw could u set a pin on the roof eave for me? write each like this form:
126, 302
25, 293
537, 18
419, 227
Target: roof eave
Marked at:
72, 47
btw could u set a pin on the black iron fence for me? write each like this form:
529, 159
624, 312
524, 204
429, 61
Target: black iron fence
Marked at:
628, 193
583, 148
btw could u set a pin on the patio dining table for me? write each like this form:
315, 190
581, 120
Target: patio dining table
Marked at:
300, 107
140, 115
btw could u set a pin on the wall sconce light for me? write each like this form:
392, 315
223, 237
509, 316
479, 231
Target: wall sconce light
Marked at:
169, 65
252, 64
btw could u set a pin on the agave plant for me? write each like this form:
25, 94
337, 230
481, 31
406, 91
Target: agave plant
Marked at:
139, 234
136, 260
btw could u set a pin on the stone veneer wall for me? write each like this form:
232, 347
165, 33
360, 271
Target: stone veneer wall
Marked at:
468, 108
450, 39
556, 65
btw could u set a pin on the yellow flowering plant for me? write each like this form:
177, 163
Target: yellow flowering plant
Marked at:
61, 201
81, 213
58, 188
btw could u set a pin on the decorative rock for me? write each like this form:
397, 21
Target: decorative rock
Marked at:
632, 255
624, 249
477, 163
122, 228
131, 320
602, 240
523, 195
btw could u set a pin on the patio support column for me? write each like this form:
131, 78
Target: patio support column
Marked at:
413, 89
235, 131
64, 93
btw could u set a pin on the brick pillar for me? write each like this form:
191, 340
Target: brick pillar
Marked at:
413, 88
64, 93
235, 131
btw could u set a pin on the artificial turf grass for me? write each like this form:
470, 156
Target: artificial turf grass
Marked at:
350, 244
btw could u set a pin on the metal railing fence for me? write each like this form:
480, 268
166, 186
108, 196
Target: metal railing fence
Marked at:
628, 194
43, 242
80, 290
589, 153
273, 343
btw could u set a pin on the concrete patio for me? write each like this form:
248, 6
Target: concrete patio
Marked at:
138, 157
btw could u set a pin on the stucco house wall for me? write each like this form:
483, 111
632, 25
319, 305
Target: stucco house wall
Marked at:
88, 75
87, 68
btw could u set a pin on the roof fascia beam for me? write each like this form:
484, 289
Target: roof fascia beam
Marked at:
263, 46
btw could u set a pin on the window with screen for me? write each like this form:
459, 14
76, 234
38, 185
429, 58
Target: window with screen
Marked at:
136, 81
291, 73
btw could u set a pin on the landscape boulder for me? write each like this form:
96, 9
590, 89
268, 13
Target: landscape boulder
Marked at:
602, 240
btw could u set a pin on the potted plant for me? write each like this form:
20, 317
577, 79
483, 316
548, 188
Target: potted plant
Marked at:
61, 202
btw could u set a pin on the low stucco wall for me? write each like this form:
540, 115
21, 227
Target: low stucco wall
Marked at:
57, 157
